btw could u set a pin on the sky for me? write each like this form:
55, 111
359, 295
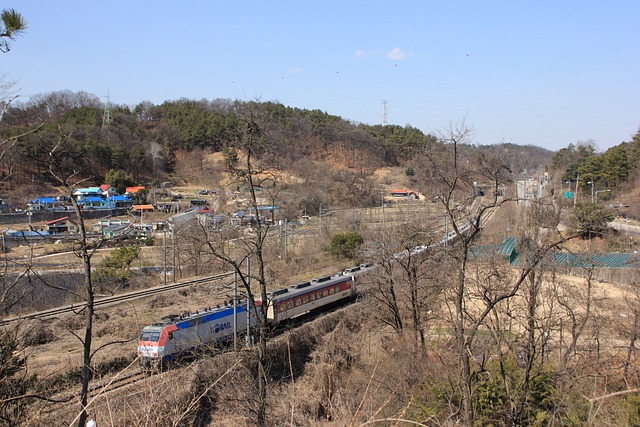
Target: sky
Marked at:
544, 73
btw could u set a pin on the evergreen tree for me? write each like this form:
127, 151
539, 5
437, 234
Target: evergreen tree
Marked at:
12, 24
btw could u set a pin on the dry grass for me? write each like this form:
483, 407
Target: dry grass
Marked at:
342, 369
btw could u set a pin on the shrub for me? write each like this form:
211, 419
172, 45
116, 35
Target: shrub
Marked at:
38, 336
345, 245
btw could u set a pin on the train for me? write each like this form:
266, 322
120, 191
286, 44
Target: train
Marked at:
177, 335
180, 334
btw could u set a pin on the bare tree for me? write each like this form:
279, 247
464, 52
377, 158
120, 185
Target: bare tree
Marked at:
578, 312
60, 161
65, 173
385, 291
242, 159
15, 381
472, 300
632, 331
532, 311
414, 266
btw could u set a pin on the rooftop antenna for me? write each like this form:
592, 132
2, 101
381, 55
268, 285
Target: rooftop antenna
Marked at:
384, 112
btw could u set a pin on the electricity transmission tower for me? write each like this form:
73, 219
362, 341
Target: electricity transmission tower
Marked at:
384, 112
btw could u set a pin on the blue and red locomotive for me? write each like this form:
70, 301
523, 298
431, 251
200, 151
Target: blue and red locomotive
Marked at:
176, 335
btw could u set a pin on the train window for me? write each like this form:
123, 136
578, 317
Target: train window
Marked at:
305, 299
290, 305
282, 307
337, 289
319, 295
150, 336
331, 291
313, 297
298, 302
325, 293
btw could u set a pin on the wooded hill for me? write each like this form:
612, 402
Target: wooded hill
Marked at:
147, 143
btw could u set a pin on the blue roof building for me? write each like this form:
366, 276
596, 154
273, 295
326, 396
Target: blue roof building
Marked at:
43, 201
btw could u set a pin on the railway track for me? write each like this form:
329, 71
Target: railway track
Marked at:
116, 299
99, 387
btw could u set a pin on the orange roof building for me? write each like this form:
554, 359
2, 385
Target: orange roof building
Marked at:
142, 208
134, 189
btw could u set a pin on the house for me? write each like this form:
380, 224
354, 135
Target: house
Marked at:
142, 208
106, 223
399, 193
264, 210
129, 191
110, 202
105, 190
142, 230
88, 192
116, 230
108, 190
61, 226
198, 202
169, 207
92, 202
119, 202
404, 194
42, 203
242, 218
5, 207
160, 226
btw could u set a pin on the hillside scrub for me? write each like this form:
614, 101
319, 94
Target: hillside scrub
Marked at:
345, 368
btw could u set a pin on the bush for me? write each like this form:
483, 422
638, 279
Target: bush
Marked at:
38, 336
345, 245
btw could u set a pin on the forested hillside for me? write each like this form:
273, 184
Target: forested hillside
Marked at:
150, 144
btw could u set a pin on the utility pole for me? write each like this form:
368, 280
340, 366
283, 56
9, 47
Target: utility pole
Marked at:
173, 252
286, 239
164, 243
249, 302
235, 311
446, 230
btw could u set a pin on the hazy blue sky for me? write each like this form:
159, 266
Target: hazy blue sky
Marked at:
547, 73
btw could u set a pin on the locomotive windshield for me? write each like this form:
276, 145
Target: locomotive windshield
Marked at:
150, 336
